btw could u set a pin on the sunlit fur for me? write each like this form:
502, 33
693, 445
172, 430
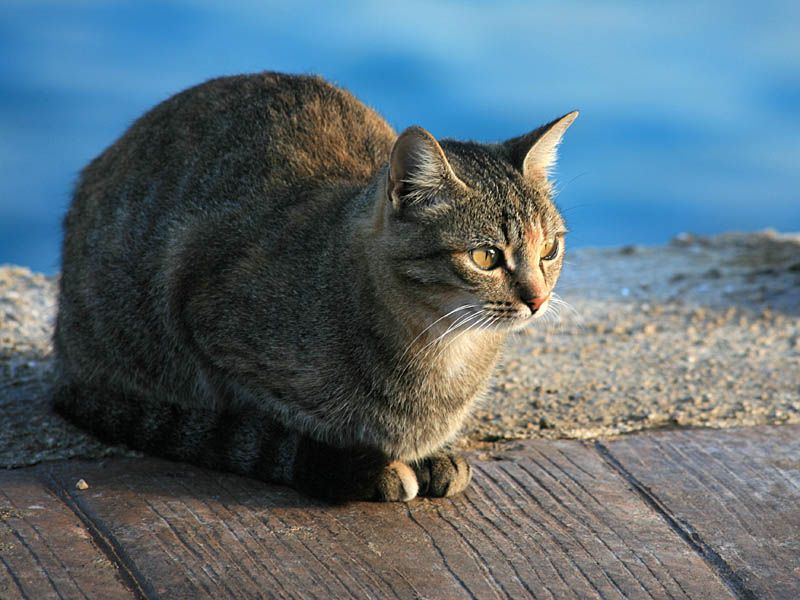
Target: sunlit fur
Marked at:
268, 243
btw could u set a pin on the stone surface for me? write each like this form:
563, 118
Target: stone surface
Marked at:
702, 332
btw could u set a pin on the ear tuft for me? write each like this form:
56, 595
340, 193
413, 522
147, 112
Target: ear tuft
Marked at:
418, 169
535, 153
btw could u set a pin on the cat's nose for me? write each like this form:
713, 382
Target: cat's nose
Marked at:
535, 302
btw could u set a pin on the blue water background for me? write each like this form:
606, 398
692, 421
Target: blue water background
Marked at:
690, 111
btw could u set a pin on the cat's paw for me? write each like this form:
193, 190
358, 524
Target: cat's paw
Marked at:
397, 483
442, 474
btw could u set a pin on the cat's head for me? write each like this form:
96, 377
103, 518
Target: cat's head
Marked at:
472, 228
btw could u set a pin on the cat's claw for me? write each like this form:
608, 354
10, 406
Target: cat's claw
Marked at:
442, 474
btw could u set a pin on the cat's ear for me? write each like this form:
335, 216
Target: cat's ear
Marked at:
418, 170
535, 154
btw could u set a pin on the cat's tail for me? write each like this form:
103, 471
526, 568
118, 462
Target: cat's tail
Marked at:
241, 440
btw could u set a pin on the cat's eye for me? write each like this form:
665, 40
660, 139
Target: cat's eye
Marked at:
549, 250
486, 257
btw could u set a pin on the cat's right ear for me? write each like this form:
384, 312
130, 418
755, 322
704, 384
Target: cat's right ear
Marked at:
418, 170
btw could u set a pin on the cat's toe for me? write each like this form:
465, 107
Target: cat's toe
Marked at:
397, 483
442, 474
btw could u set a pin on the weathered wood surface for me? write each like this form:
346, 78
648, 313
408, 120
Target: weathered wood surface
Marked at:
735, 495
46, 550
621, 519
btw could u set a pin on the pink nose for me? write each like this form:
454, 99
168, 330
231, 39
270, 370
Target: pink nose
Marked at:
535, 303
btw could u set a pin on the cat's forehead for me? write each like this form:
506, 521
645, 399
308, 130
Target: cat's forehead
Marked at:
499, 196
479, 164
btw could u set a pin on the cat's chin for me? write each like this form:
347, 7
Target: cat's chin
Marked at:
510, 325
521, 323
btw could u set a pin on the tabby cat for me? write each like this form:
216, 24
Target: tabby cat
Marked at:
260, 276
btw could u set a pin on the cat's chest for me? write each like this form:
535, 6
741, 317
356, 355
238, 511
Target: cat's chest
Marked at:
471, 356
430, 408
452, 374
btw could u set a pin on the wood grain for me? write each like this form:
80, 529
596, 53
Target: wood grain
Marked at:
734, 495
46, 551
682, 514
552, 520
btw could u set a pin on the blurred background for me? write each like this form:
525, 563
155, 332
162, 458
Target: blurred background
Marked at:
690, 111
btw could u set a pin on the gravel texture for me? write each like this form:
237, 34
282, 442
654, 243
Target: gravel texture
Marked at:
701, 332
29, 431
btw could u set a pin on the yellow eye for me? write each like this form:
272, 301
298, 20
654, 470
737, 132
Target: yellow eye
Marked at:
486, 258
549, 250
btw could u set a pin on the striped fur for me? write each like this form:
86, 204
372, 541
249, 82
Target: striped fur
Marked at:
243, 441
260, 277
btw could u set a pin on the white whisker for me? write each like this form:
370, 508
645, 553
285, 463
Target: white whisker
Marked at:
461, 320
562, 304
460, 333
486, 326
455, 310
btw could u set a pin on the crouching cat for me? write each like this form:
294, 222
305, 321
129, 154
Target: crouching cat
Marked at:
261, 277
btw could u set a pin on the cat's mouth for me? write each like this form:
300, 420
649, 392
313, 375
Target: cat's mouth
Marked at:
515, 315
515, 319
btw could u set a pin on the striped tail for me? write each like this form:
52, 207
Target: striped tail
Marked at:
245, 441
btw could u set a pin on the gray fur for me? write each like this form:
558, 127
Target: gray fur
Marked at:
246, 246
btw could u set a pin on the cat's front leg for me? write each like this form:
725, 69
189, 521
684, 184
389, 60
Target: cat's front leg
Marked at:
360, 473
442, 474
351, 473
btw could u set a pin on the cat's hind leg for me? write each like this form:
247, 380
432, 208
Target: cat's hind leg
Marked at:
238, 439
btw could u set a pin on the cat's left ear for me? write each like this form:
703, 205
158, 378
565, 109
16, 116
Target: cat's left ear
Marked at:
535, 153
418, 170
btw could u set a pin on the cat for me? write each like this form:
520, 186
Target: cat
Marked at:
260, 276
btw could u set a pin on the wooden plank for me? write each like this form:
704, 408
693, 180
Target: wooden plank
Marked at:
46, 551
550, 521
735, 494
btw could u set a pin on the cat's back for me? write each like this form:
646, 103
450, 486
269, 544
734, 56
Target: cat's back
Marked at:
283, 129
305, 126
175, 201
